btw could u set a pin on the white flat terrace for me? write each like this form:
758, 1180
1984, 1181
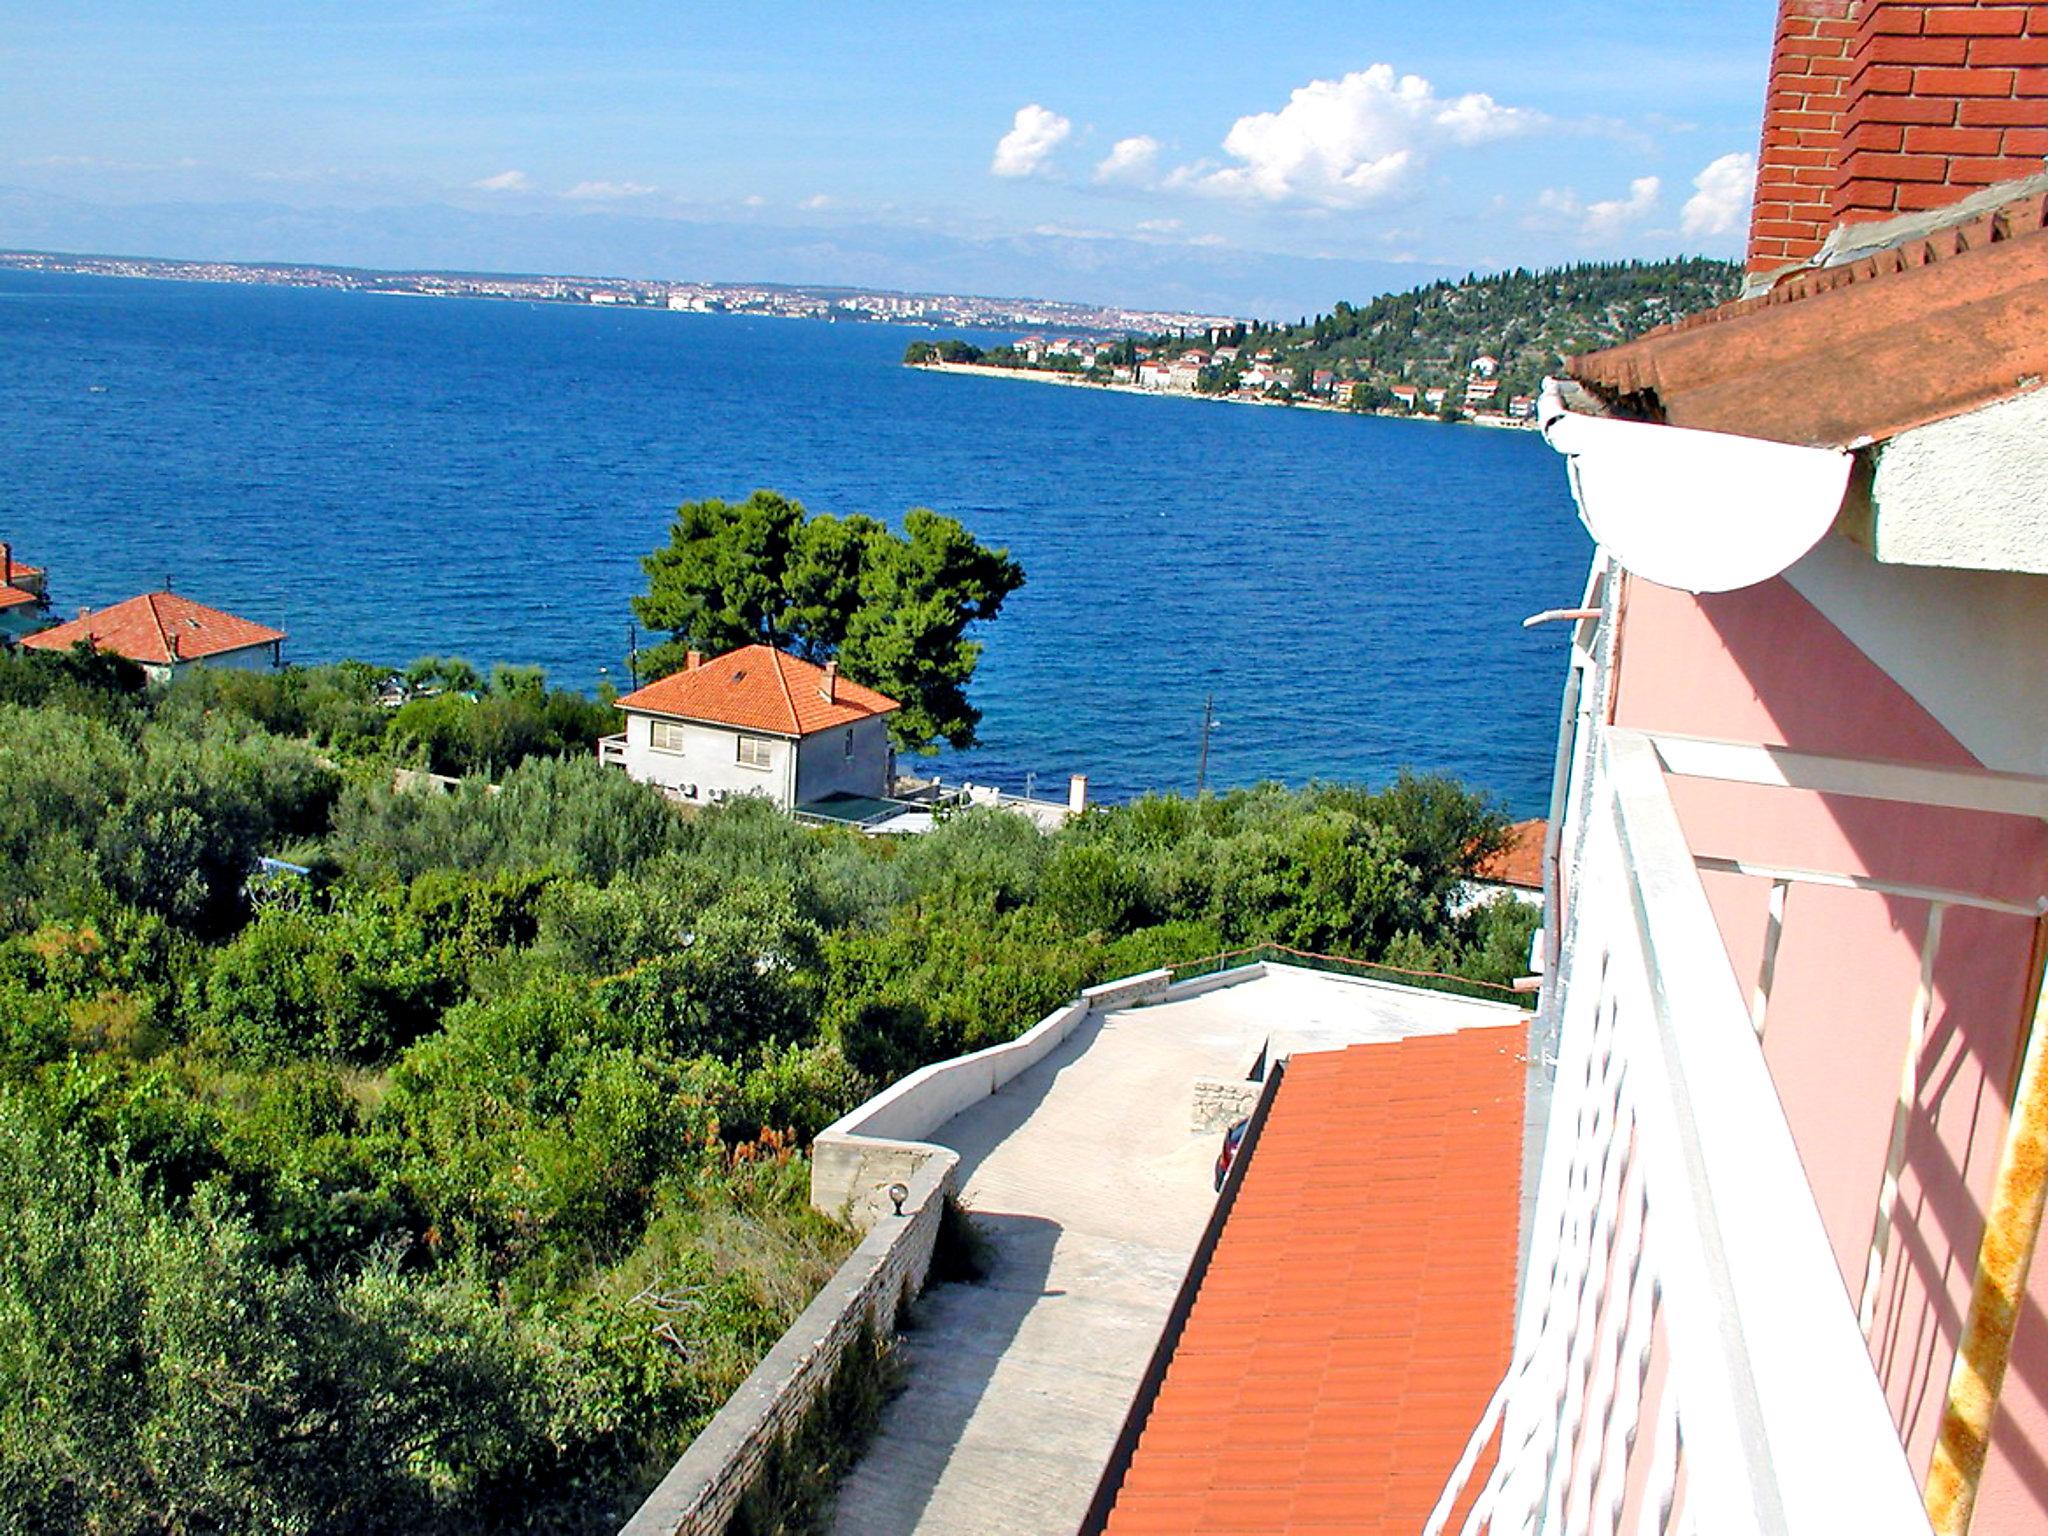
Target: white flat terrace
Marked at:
1084, 1174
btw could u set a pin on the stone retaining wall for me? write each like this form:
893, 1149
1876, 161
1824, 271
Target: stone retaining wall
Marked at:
853, 1163
1221, 1103
701, 1491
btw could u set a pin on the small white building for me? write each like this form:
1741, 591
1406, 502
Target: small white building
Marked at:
756, 721
166, 634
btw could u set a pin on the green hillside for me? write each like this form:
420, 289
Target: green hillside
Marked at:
1528, 320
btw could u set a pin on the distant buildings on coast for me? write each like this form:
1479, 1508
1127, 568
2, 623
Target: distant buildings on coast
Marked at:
764, 299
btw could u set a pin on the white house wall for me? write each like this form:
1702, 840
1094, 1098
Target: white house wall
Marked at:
1968, 492
708, 767
250, 658
824, 767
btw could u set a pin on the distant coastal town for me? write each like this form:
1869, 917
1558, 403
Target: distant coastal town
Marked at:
1474, 351
775, 300
1264, 378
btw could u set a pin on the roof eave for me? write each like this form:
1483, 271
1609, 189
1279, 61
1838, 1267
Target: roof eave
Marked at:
1842, 356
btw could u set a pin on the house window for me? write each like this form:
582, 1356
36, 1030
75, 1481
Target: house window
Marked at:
754, 751
849, 746
665, 736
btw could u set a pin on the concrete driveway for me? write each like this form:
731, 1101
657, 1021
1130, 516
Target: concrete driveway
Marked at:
1093, 1191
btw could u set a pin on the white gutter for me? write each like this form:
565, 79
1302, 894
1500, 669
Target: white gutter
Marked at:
1699, 511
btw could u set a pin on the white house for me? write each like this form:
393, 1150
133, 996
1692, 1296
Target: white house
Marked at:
756, 721
167, 634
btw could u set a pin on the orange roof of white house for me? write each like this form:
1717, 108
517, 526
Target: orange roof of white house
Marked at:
12, 596
759, 688
1520, 859
158, 629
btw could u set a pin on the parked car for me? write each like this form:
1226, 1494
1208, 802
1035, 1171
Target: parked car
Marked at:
1231, 1139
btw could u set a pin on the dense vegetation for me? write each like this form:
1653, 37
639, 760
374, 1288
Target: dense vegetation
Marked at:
1428, 336
892, 608
1531, 321
454, 1184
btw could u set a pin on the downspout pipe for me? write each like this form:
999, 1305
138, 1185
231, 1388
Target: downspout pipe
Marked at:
2005, 1255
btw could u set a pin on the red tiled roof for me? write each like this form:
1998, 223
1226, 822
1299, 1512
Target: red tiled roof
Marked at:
1358, 1310
143, 629
1520, 863
13, 596
759, 688
1933, 326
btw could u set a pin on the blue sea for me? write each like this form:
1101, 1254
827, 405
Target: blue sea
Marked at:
388, 477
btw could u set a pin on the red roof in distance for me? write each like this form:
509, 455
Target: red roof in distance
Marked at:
157, 629
1358, 1311
759, 688
1520, 862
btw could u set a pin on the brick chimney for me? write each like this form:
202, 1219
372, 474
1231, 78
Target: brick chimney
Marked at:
692, 660
829, 688
1796, 168
1945, 99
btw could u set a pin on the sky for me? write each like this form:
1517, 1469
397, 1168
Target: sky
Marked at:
1260, 158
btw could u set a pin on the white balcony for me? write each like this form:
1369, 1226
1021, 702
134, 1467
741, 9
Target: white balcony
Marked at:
611, 750
1686, 1356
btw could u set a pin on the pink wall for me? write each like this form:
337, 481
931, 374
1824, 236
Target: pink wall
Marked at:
1765, 665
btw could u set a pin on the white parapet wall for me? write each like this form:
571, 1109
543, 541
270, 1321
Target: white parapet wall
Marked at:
856, 1158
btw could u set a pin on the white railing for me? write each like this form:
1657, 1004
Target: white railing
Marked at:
611, 750
1686, 1356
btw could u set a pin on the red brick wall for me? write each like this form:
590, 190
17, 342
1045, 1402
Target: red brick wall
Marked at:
1944, 99
1804, 118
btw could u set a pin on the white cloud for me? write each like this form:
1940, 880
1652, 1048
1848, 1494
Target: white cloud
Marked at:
1615, 214
1563, 208
1721, 197
1347, 142
1129, 159
1159, 226
1034, 134
816, 201
608, 191
754, 200
505, 181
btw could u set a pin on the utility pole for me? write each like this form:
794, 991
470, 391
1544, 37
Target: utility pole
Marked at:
1208, 723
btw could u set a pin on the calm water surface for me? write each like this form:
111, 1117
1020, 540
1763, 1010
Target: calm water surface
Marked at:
386, 477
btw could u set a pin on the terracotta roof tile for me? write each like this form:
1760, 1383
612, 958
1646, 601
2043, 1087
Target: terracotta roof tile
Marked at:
157, 628
13, 597
1520, 862
1937, 325
759, 688
1358, 1309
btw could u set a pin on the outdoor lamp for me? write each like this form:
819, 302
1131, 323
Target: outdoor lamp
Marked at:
898, 1193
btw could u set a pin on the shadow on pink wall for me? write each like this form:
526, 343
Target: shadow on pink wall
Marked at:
1765, 665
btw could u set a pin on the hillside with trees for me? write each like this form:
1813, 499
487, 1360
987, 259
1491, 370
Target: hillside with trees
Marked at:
1529, 321
1428, 337
449, 1172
